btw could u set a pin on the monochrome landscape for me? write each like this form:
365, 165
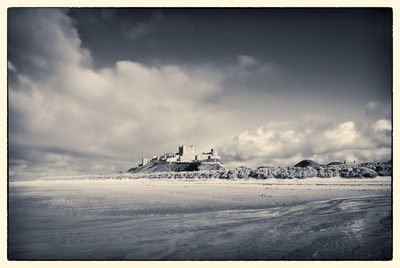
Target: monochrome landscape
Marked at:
200, 134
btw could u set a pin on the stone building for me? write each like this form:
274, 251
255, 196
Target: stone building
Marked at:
185, 154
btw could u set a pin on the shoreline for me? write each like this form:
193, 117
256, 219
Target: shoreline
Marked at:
136, 177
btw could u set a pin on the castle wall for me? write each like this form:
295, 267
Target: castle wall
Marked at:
185, 154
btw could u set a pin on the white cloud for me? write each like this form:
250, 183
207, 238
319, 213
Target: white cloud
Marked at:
121, 113
343, 134
289, 142
73, 118
382, 125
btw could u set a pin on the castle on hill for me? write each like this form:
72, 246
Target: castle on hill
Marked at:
185, 154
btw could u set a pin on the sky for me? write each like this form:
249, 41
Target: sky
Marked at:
95, 90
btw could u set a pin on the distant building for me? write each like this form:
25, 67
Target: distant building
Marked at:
185, 154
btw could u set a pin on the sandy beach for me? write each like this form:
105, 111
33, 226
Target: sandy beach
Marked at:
213, 219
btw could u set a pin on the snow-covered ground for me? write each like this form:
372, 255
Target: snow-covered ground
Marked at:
315, 218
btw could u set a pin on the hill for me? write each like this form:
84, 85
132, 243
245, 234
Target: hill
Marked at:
307, 163
177, 167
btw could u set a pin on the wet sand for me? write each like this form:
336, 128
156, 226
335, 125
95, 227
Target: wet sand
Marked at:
201, 219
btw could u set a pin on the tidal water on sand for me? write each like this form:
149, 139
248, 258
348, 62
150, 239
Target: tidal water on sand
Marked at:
199, 221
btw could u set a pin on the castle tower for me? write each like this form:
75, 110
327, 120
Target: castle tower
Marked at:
186, 150
186, 153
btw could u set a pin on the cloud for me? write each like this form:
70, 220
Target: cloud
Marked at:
371, 106
11, 66
113, 112
345, 133
288, 142
382, 125
377, 110
121, 113
246, 61
138, 31
67, 117
248, 74
142, 28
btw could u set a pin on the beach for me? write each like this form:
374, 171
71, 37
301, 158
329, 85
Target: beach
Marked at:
210, 219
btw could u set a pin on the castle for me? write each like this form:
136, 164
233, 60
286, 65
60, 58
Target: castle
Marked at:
185, 154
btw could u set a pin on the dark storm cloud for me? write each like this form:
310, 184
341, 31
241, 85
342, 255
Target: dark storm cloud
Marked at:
94, 90
37, 47
324, 49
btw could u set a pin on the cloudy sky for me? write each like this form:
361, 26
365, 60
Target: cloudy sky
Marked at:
94, 90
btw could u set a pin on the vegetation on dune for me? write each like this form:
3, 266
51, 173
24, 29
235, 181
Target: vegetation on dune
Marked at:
304, 169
